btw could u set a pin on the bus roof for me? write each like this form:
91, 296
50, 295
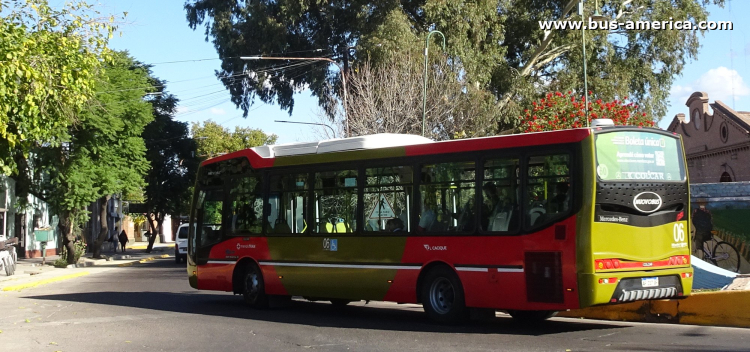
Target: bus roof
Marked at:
390, 145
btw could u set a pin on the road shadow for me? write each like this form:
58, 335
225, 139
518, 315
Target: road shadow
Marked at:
358, 315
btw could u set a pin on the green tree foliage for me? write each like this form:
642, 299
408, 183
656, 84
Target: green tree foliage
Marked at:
497, 46
173, 160
49, 60
105, 153
213, 139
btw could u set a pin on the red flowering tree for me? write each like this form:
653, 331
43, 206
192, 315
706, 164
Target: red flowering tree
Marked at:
558, 111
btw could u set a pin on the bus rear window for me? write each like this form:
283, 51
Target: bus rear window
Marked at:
638, 155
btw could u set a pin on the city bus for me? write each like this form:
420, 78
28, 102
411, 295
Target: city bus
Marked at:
529, 224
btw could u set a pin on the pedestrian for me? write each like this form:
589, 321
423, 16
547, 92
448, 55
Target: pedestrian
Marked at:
123, 239
113, 240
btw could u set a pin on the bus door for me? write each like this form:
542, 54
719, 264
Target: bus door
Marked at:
208, 216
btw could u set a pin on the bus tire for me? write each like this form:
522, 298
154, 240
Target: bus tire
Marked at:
443, 296
253, 287
531, 316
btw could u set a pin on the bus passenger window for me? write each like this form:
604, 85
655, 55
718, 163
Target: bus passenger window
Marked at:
447, 197
335, 201
246, 206
209, 216
500, 211
287, 202
548, 189
387, 199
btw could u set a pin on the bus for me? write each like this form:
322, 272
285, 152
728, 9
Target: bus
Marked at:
529, 224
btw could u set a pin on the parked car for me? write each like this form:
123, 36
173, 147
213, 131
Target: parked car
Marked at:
180, 243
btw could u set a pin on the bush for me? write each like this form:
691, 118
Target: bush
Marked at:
557, 111
80, 249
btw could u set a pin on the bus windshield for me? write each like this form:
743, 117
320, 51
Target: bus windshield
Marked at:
638, 155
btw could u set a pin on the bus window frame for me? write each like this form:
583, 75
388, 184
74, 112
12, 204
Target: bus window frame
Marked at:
680, 153
228, 181
521, 184
269, 174
418, 163
573, 189
343, 166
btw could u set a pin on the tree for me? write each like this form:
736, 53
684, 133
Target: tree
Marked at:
105, 153
173, 160
389, 99
213, 139
48, 66
557, 111
499, 46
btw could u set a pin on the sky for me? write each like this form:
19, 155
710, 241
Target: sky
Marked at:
157, 33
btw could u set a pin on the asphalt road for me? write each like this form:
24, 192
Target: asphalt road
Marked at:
151, 307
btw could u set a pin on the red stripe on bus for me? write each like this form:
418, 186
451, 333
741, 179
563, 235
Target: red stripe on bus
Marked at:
512, 141
255, 160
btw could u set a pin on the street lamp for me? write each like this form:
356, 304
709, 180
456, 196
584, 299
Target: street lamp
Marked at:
597, 17
309, 123
341, 69
424, 92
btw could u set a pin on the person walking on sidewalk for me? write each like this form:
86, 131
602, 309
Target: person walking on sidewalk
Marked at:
123, 239
113, 240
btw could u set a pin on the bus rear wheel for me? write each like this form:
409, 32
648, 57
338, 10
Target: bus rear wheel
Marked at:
443, 296
531, 316
253, 287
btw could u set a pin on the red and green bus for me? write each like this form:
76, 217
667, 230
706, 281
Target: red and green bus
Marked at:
529, 224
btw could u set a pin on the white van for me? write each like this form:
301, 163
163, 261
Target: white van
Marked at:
180, 243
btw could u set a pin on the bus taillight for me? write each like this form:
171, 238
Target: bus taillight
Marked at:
611, 280
603, 264
686, 275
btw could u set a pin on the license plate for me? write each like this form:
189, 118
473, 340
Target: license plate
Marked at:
650, 281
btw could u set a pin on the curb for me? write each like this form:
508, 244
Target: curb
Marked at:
723, 308
45, 281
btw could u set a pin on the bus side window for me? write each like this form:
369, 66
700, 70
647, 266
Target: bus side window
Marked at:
500, 210
548, 188
287, 202
335, 201
209, 216
387, 199
447, 197
246, 206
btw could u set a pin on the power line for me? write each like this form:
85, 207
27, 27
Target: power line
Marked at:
230, 57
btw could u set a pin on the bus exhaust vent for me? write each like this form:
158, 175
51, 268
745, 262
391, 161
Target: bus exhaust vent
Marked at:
544, 277
654, 293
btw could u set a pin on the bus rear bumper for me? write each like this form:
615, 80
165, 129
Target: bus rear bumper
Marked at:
620, 287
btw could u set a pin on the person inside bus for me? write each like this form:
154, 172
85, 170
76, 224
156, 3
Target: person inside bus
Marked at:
394, 225
428, 216
559, 202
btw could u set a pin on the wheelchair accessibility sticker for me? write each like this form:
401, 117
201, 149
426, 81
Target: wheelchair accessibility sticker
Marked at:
330, 244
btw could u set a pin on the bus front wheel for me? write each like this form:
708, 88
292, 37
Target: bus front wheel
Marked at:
443, 296
253, 289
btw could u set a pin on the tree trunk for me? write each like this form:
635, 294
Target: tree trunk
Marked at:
154, 224
65, 225
104, 232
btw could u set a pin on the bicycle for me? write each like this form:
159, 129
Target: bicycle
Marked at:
721, 254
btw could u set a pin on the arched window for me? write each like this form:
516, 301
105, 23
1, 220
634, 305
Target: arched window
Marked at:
725, 177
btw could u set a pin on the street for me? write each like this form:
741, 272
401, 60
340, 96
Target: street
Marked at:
151, 307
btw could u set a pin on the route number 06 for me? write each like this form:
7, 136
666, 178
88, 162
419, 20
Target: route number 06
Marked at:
679, 232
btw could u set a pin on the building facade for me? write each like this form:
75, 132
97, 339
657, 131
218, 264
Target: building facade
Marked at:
717, 145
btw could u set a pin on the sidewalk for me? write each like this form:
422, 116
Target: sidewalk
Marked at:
30, 272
